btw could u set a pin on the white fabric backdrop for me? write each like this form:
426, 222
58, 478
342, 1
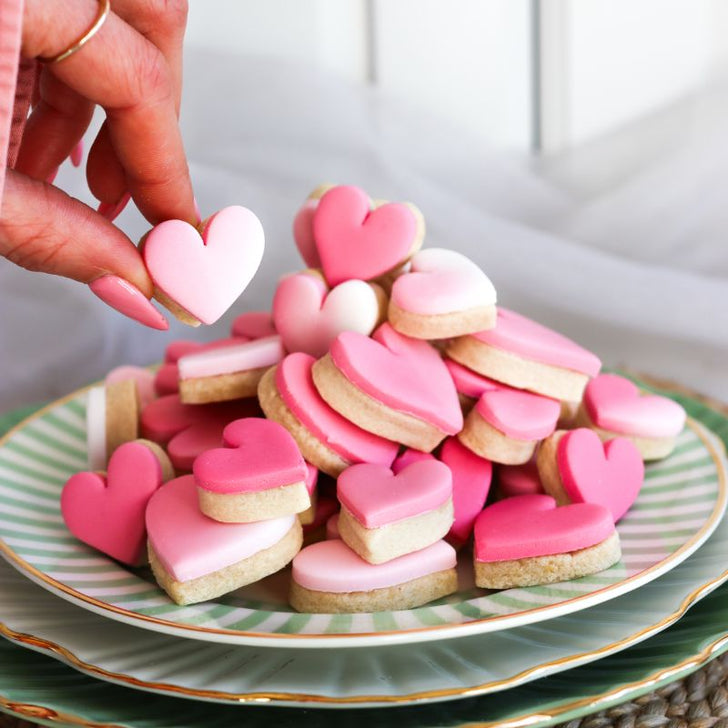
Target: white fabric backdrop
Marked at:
632, 265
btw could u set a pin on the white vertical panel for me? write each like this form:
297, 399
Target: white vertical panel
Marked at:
469, 60
330, 34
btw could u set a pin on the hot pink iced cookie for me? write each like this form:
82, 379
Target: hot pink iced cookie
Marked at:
106, 511
303, 227
309, 515
443, 294
614, 406
195, 558
143, 377
471, 478
506, 425
328, 440
516, 480
408, 457
199, 273
253, 325
527, 540
391, 385
527, 355
355, 241
259, 474
329, 577
576, 467
309, 316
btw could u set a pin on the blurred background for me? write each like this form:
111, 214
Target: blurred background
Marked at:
576, 149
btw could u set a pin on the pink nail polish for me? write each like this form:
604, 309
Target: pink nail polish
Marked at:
129, 300
112, 210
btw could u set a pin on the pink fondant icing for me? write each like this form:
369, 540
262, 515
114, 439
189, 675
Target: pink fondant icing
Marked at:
354, 241
295, 384
143, 377
205, 272
331, 566
303, 233
614, 403
107, 511
519, 480
532, 525
190, 545
311, 478
258, 455
471, 478
254, 325
469, 383
332, 527
309, 317
375, 496
609, 473
402, 373
530, 340
442, 281
230, 359
408, 457
519, 415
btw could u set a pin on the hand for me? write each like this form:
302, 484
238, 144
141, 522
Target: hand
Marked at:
133, 69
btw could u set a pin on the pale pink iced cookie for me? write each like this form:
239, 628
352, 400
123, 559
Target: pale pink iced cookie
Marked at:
187, 430
327, 440
384, 516
303, 227
516, 480
527, 355
309, 515
259, 474
471, 479
577, 467
309, 316
253, 325
112, 418
392, 385
443, 294
356, 240
198, 273
506, 425
144, 379
166, 380
527, 540
225, 373
106, 510
469, 384
409, 456
330, 577
613, 406
195, 558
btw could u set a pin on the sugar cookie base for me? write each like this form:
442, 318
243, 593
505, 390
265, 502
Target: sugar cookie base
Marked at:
407, 595
122, 414
175, 309
517, 371
232, 577
313, 450
490, 443
443, 325
255, 505
651, 448
548, 468
378, 545
535, 570
221, 387
370, 414
159, 452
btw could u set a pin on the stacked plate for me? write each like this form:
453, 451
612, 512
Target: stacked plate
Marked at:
530, 656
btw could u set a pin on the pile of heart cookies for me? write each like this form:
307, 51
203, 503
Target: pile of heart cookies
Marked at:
386, 413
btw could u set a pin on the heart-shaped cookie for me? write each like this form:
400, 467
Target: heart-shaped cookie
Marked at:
258, 455
614, 403
610, 474
355, 241
107, 511
375, 496
143, 377
532, 525
253, 325
520, 415
308, 316
198, 274
303, 227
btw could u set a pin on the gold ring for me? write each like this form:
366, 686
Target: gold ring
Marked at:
104, 7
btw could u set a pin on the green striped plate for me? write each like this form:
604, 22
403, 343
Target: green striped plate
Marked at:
680, 504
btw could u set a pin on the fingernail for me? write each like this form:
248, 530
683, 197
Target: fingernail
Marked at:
112, 210
126, 298
77, 154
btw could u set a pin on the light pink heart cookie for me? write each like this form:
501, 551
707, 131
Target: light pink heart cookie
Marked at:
531, 525
614, 403
520, 415
355, 241
376, 496
610, 474
143, 377
204, 273
107, 511
308, 316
